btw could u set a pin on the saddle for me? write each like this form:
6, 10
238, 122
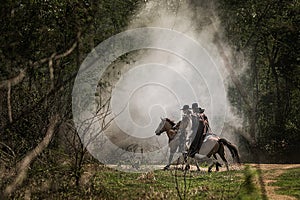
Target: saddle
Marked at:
210, 135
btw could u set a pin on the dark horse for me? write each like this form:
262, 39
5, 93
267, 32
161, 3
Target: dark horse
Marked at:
212, 145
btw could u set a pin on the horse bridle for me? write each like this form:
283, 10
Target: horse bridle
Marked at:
162, 130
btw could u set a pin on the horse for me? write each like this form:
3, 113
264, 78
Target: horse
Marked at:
212, 145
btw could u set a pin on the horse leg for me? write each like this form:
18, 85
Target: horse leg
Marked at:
217, 163
170, 161
210, 168
222, 155
187, 167
211, 163
215, 159
198, 168
221, 152
215, 156
204, 158
167, 167
172, 152
225, 161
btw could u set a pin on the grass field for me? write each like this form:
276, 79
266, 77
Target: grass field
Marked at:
163, 184
99, 182
289, 183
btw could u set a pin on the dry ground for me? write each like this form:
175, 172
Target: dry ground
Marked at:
269, 174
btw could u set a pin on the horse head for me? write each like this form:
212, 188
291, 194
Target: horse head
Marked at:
165, 125
161, 127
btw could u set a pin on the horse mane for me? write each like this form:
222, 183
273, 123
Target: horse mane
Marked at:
170, 121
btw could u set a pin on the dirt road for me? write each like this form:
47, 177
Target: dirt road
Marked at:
269, 173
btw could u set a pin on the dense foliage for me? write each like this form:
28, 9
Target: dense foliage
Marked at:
42, 46
268, 33
43, 43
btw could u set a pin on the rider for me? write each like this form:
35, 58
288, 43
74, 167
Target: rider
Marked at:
204, 119
183, 126
200, 127
195, 123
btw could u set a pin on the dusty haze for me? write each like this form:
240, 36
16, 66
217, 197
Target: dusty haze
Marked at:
149, 84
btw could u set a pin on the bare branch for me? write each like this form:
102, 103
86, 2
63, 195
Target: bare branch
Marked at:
15, 80
67, 52
51, 71
52, 57
10, 156
19, 78
9, 103
23, 165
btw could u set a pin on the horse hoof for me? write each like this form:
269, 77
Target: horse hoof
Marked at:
187, 167
217, 166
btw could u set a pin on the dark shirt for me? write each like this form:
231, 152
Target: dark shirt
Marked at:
198, 130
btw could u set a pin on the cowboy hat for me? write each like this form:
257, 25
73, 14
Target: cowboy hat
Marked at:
196, 108
185, 107
194, 105
201, 110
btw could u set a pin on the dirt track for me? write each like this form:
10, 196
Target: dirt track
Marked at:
268, 177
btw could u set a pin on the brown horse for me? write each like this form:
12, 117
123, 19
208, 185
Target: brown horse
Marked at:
212, 145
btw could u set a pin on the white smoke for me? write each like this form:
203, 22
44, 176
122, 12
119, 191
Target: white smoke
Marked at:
156, 83
199, 23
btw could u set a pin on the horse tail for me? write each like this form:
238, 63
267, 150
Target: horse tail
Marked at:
232, 148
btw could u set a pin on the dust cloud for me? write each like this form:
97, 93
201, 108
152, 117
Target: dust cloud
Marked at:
154, 83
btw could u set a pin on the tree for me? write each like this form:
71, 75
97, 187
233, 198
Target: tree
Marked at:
267, 32
42, 45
